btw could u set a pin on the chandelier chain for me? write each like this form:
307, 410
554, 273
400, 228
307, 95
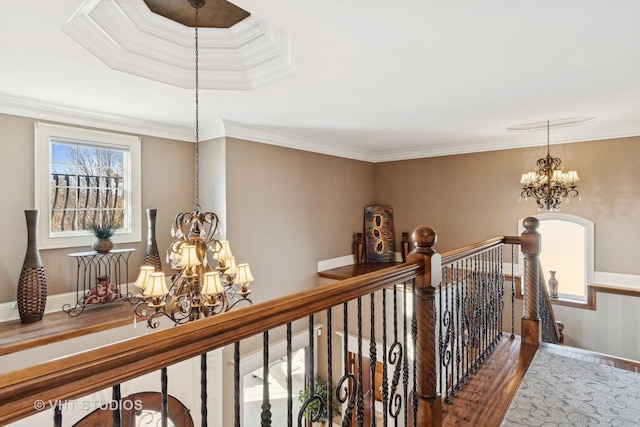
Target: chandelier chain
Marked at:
196, 207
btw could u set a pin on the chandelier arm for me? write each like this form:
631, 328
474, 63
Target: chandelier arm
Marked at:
138, 309
151, 320
244, 299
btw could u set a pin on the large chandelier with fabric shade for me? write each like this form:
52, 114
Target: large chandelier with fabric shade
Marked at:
197, 289
549, 185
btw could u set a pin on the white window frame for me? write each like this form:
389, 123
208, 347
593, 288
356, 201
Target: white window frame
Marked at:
589, 242
44, 133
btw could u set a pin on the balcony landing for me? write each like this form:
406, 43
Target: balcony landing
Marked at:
58, 326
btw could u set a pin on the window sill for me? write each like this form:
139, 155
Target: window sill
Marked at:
570, 302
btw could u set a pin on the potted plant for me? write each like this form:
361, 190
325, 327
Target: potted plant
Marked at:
103, 232
321, 389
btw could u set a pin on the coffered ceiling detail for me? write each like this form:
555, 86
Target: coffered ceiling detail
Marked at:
127, 37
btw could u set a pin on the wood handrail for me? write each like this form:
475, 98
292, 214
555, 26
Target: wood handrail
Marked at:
81, 374
463, 252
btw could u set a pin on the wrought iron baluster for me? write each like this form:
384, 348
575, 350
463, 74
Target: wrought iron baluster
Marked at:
440, 318
464, 295
372, 359
330, 393
314, 406
360, 392
116, 411
236, 383
57, 415
346, 387
484, 304
164, 404
289, 377
460, 327
385, 383
395, 358
266, 402
405, 360
513, 293
414, 338
203, 389
494, 297
476, 316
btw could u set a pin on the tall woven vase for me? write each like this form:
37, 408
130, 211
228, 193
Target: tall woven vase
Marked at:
151, 255
32, 287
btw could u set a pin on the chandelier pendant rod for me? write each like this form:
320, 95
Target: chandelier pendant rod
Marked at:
196, 207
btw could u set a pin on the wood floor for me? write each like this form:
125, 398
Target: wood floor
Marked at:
59, 326
485, 399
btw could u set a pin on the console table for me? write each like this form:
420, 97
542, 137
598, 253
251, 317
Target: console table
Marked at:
99, 278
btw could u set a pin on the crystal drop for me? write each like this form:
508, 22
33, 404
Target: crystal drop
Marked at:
179, 234
173, 231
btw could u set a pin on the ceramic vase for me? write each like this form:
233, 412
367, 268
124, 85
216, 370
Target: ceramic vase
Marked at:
32, 285
151, 255
102, 245
404, 246
358, 248
553, 285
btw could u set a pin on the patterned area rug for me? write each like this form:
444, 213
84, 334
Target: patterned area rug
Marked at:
561, 391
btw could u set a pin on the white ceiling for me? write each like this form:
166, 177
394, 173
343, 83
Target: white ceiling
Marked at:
371, 80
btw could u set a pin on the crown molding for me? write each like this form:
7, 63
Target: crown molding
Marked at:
27, 107
289, 140
128, 37
219, 128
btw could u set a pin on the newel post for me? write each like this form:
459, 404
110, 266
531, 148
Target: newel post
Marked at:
429, 410
530, 246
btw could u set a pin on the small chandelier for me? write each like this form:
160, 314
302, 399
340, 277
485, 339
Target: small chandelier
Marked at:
197, 290
549, 185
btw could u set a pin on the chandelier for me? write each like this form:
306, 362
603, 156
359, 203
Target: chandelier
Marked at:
549, 185
196, 289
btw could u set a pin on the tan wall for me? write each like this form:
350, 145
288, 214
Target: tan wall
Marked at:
166, 172
471, 197
288, 209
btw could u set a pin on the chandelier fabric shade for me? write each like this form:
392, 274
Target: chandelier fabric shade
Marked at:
156, 285
212, 285
143, 277
548, 184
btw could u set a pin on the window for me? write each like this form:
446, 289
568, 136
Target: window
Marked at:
567, 249
82, 177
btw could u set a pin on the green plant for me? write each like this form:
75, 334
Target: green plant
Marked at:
321, 389
104, 230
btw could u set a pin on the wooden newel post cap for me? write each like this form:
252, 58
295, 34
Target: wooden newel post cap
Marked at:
530, 239
424, 238
530, 224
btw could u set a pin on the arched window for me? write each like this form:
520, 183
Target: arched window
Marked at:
567, 249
